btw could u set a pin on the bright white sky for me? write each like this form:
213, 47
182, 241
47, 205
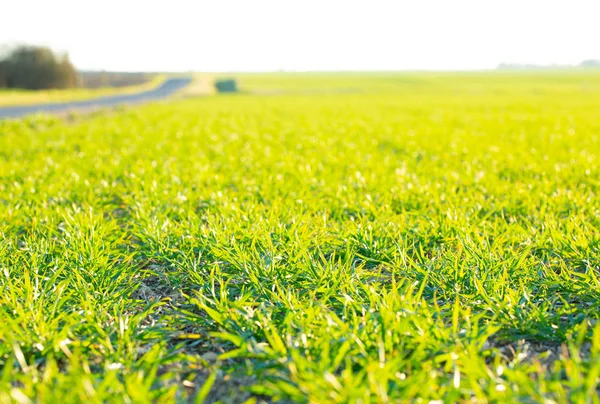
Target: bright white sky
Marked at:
240, 35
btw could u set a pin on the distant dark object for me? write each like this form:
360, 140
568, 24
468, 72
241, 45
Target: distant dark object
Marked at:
591, 63
226, 86
37, 68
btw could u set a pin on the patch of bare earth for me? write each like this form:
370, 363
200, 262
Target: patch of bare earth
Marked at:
543, 354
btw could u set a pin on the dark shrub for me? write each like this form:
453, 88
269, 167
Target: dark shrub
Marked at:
36, 68
226, 86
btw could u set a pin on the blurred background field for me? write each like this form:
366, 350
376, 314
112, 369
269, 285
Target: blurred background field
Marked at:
517, 82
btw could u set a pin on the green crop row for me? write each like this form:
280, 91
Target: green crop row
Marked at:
318, 238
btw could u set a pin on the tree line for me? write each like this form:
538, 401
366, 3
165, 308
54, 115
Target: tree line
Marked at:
37, 68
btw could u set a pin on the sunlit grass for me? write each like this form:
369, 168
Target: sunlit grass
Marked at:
426, 236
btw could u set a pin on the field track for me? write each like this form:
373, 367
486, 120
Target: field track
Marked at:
166, 89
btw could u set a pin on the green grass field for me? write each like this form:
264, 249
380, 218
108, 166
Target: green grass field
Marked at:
321, 238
